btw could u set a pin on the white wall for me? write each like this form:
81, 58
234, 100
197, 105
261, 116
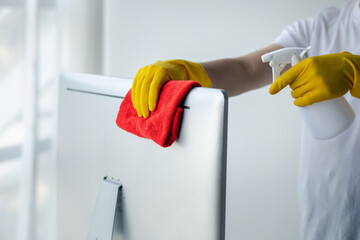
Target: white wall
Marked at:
80, 31
264, 130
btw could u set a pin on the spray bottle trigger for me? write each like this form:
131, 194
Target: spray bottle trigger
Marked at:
276, 73
276, 69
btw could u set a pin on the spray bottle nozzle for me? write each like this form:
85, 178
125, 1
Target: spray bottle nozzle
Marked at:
278, 59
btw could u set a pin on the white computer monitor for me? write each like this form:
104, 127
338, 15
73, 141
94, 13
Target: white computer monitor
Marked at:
173, 193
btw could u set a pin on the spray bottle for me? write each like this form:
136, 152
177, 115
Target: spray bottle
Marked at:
325, 119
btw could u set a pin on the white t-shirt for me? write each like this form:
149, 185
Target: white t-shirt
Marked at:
329, 177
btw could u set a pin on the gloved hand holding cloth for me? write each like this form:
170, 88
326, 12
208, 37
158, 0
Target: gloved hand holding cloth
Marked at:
321, 78
163, 124
149, 80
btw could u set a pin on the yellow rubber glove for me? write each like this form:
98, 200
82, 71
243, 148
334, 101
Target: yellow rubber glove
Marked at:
149, 80
321, 78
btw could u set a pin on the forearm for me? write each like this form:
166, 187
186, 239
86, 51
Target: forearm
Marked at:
238, 75
232, 75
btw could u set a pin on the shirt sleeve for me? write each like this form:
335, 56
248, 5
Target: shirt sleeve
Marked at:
297, 34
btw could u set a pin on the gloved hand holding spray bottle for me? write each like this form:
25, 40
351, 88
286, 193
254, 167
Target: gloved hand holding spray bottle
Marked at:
325, 119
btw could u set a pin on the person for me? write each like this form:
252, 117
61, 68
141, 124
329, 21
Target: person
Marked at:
329, 172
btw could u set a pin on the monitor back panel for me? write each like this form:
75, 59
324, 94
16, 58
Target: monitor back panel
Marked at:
172, 193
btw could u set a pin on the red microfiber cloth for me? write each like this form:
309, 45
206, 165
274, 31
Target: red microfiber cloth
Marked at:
162, 126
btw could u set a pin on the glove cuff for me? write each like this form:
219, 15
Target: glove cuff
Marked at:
355, 91
195, 71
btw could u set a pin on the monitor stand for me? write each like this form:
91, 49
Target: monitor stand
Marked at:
105, 223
